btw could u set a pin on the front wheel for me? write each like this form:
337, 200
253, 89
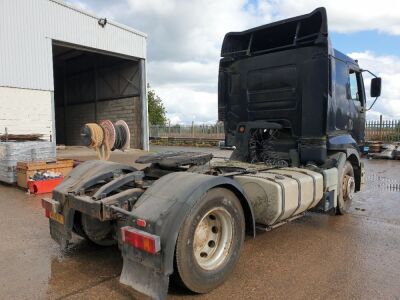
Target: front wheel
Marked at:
210, 241
346, 189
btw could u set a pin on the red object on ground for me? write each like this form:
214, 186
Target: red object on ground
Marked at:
43, 186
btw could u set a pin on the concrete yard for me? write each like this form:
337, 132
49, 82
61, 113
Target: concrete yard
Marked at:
356, 256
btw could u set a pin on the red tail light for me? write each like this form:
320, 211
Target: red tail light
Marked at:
141, 240
141, 223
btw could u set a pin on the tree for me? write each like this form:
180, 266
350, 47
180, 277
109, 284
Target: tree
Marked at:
157, 111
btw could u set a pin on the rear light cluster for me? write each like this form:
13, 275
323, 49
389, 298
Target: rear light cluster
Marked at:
47, 205
141, 240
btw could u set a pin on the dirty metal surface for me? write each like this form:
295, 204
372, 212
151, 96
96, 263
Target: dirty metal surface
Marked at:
317, 256
175, 158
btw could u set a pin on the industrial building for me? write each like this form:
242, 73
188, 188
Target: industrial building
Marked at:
62, 67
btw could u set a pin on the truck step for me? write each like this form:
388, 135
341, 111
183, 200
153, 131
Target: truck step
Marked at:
262, 227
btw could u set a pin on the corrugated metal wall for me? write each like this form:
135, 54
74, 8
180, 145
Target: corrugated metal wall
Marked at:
28, 27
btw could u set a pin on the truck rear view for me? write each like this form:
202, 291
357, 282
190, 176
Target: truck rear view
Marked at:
294, 108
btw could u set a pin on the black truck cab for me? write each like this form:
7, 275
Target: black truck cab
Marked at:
346, 106
287, 96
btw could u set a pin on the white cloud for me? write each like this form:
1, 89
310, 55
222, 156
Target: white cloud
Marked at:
159, 7
347, 16
186, 105
79, 4
387, 67
186, 73
185, 30
184, 41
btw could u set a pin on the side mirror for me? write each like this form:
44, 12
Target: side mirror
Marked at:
376, 85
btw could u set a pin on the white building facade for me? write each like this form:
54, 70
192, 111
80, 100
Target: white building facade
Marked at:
46, 44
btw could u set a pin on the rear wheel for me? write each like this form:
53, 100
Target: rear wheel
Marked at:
210, 241
97, 231
346, 189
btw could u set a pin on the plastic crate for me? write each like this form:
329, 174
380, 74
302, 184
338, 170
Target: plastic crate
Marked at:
27, 169
43, 186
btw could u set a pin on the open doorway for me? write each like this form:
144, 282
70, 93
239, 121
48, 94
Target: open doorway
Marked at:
92, 86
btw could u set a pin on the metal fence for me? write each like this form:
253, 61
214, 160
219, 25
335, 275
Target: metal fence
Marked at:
188, 131
382, 130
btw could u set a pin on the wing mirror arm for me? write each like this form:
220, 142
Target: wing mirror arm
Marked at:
376, 86
373, 103
362, 70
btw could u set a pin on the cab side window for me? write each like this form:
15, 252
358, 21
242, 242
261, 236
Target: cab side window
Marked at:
353, 86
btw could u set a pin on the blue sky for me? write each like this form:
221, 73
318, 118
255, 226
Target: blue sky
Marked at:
377, 42
184, 40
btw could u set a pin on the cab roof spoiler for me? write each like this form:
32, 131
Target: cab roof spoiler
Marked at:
301, 31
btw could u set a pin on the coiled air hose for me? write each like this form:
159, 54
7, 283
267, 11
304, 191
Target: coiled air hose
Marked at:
120, 137
106, 137
109, 138
93, 137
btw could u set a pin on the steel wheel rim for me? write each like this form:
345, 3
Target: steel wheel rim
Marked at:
348, 187
213, 238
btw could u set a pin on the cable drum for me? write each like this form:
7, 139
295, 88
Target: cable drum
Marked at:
122, 136
93, 137
96, 135
86, 136
109, 133
109, 138
106, 137
119, 137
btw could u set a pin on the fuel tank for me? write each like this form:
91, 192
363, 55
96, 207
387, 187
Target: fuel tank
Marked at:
279, 194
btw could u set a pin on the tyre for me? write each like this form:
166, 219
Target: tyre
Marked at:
346, 189
209, 241
96, 231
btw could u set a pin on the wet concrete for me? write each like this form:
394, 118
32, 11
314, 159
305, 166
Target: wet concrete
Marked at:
354, 256
83, 153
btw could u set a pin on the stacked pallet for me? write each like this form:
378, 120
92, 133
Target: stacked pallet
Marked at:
375, 146
396, 151
387, 151
13, 152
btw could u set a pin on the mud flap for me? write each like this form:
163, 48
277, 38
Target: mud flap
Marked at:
144, 279
60, 234
362, 171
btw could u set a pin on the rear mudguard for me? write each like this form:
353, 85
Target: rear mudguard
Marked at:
88, 173
164, 206
79, 179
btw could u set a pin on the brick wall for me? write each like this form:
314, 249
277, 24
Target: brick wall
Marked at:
76, 117
127, 109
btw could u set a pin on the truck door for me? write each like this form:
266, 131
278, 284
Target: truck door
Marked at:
356, 97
